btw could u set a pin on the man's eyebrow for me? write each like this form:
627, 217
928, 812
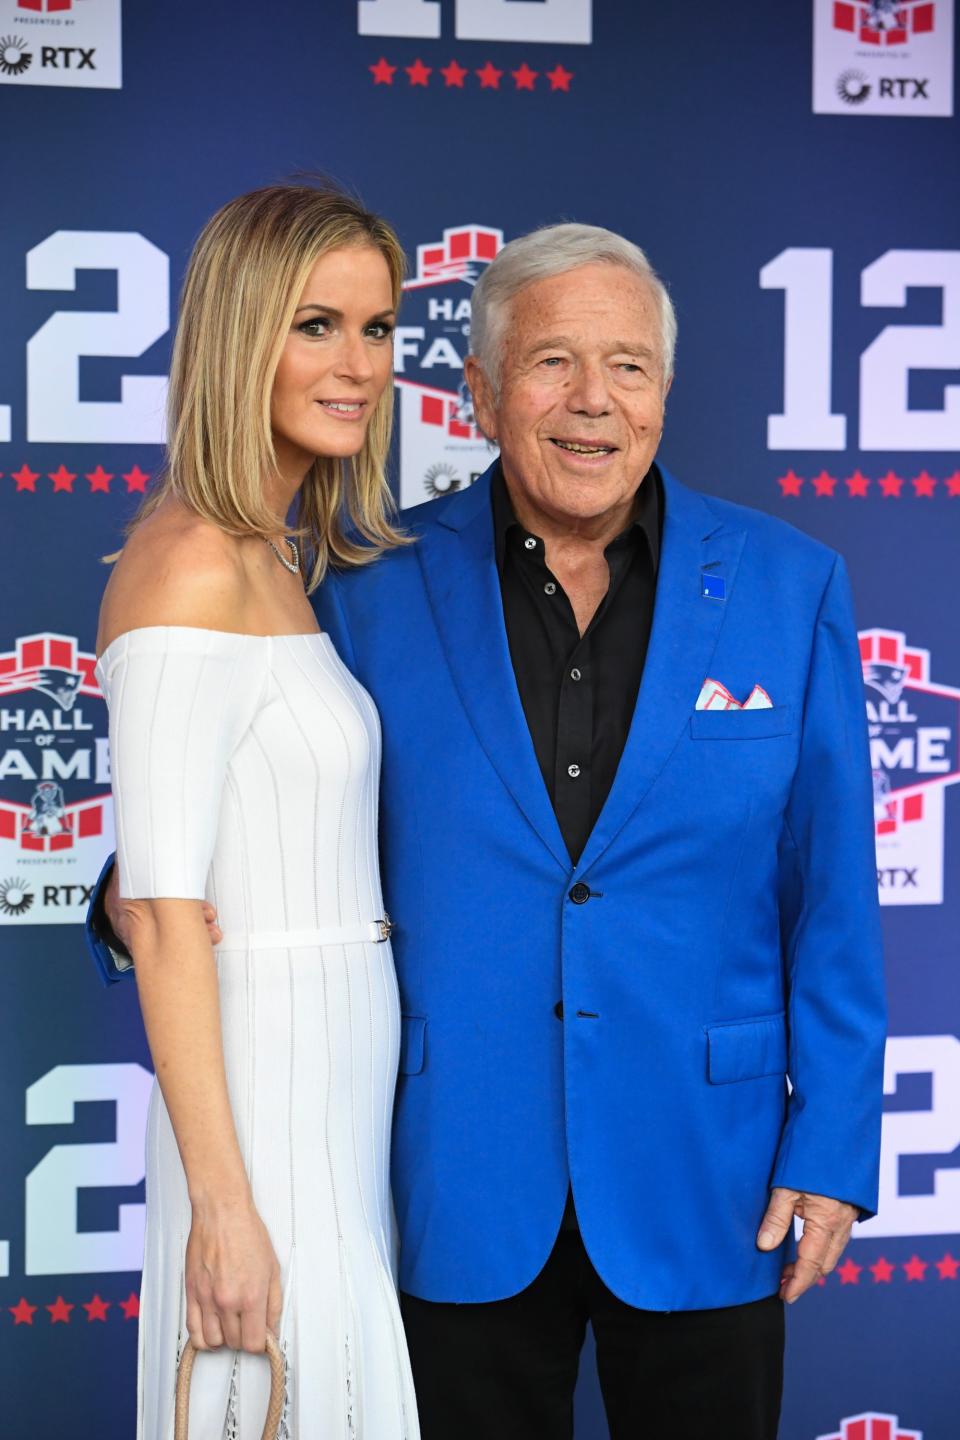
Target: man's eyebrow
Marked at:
338, 314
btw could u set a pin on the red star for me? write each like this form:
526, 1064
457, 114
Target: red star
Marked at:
489, 77
62, 479
524, 78
99, 480
96, 1308
924, 485
824, 484
882, 1271
890, 485
26, 478
59, 1311
858, 485
952, 483
130, 1306
454, 74
559, 78
849, 1272
419, 73
948, 1267
790, 484
383, 72
916, 1268
23, 1313
136, 480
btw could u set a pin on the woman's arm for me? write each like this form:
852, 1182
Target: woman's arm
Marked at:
232, 1275
179, 705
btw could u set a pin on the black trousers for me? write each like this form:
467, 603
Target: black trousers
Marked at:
507, 1370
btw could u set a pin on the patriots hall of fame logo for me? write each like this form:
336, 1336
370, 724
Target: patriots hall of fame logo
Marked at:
872, 1425
914, 729
441, 449
56, 817
883, 57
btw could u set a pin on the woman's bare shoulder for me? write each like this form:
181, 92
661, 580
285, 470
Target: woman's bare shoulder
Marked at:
175, 569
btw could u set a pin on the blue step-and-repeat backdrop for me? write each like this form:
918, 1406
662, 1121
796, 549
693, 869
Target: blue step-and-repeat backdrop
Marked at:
792, 170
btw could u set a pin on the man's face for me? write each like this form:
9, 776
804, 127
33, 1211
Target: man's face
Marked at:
581, 402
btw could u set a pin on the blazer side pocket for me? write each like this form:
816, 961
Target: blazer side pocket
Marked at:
413, 1030
746, 1049
741, 724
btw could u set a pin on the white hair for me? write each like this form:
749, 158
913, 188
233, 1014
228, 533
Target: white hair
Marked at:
553, 250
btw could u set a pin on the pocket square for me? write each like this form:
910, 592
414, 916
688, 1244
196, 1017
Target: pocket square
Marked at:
714, 696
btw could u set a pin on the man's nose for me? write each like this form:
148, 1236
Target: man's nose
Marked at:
589, 394
353, 359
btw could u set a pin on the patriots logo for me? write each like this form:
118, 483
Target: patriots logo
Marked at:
61, 685
889, 680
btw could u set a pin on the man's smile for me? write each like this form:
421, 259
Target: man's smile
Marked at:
583, 447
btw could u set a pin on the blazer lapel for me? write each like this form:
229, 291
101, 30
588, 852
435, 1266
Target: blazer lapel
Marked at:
456, 554
686, 627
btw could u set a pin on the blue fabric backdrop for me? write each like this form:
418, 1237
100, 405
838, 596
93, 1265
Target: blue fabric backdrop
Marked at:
815, 264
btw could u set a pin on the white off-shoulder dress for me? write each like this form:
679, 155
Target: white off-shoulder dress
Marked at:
246, 771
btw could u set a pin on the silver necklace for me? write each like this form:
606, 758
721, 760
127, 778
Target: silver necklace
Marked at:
292, 565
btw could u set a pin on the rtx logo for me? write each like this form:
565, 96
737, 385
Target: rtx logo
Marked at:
67, 57
68, 894
904, 87
898, 877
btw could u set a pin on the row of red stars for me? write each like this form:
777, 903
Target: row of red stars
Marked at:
858, 486
96, 1309
849, 1273
883, 1270
454, 75
63, 479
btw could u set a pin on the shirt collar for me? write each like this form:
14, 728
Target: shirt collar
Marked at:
647, 518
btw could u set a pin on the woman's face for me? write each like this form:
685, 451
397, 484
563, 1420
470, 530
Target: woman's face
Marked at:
336, 360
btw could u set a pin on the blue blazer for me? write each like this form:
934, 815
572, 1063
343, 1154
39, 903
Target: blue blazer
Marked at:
730, 939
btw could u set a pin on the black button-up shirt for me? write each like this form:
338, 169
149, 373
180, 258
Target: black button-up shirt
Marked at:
578, 692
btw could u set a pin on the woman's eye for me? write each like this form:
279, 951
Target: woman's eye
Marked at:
380, 330
319, 325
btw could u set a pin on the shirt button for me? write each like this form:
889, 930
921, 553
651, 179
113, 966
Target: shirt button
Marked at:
573, 771
558, 1009
580, 893
574, 674
530, 543
549, 588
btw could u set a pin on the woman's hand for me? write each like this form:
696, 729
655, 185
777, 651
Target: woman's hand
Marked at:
232, 1277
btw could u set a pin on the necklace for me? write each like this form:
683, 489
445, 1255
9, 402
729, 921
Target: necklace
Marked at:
292, 565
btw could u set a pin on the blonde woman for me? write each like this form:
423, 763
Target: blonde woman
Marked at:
245, 773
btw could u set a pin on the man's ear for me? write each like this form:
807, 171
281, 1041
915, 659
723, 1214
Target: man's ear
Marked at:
481, 392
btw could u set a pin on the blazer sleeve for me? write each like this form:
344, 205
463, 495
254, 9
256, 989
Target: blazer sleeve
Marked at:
830, 928
112, 961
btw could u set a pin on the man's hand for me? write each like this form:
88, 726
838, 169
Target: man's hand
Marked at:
826, 1229
122, 913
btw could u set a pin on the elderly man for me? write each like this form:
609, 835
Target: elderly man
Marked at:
627, 836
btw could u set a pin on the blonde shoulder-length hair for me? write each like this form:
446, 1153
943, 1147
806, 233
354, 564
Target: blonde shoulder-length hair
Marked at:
243, 282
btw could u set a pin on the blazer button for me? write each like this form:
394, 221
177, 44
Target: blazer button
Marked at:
558, 1009
580, 893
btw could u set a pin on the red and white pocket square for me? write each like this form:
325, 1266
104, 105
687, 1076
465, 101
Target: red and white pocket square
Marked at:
714, 696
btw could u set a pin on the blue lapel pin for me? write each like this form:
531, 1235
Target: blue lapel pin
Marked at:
713, 587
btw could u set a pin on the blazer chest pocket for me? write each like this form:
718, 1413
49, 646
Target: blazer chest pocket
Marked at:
746, 1049
413, 1030
741, 724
